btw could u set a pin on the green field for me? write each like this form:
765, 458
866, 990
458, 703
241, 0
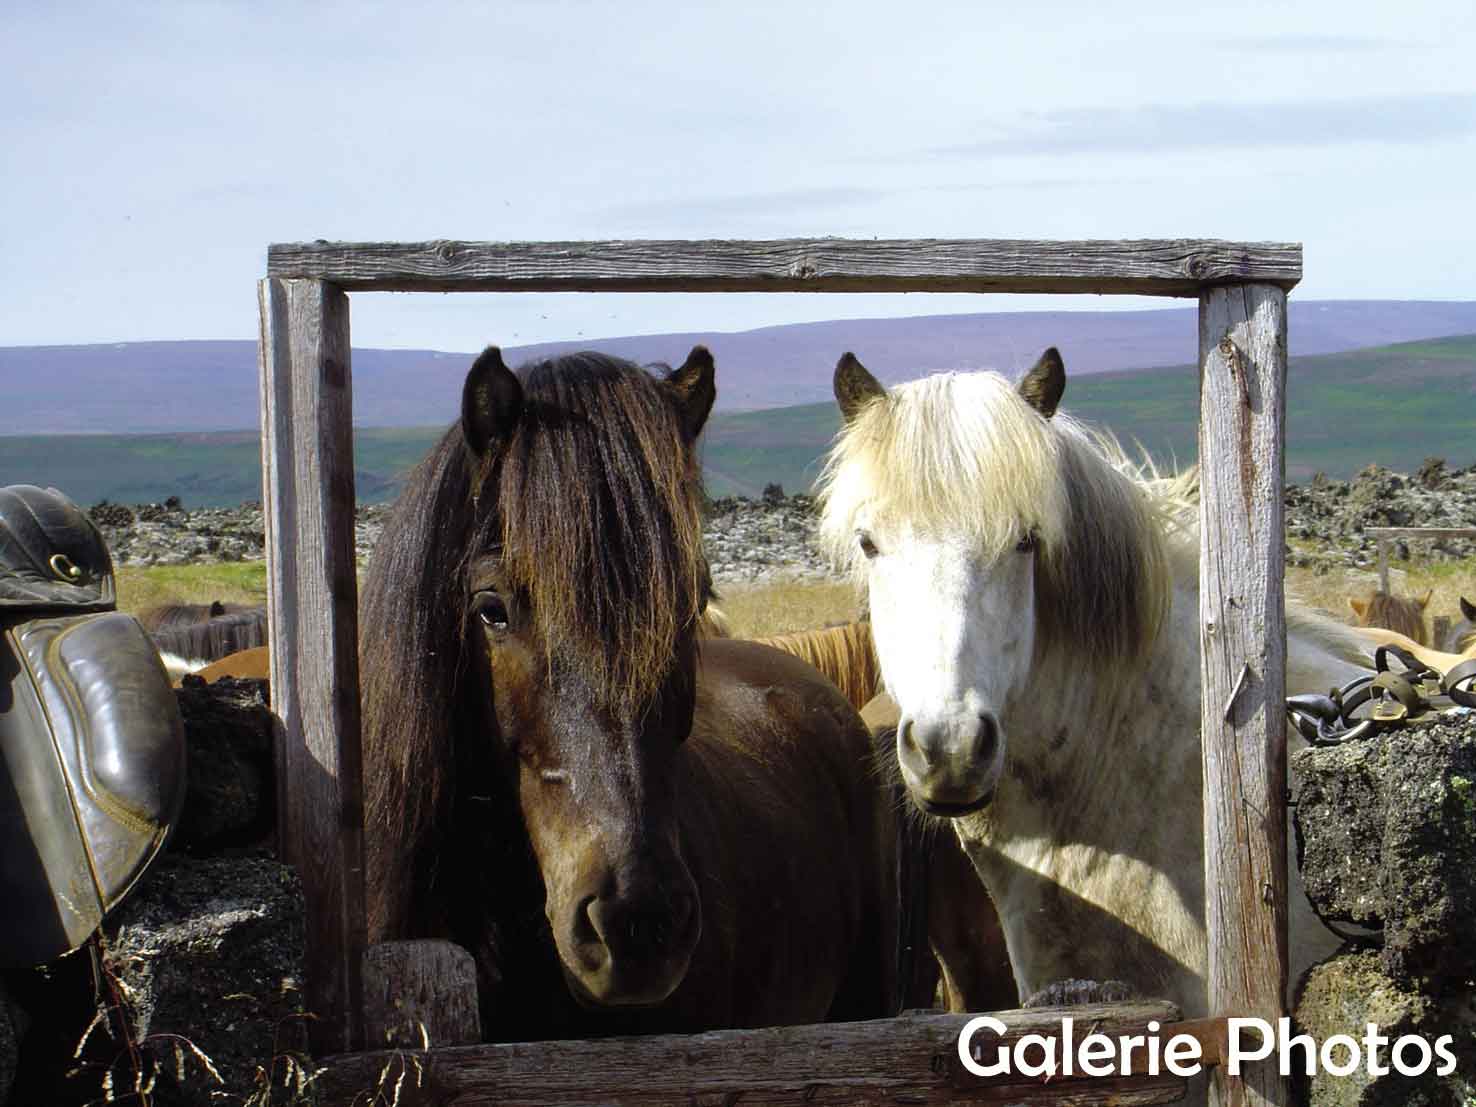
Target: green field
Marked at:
1393, 405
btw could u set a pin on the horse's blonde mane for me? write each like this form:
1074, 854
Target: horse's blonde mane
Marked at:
844, 654
965, 454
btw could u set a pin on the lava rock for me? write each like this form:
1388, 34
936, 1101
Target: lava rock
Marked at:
208, 956
230, 798
1386, 832
9, 1044
1345, 993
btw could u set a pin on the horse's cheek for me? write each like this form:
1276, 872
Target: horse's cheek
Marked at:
515, 688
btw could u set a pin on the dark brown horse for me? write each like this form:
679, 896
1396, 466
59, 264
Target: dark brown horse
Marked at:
191, 635
631, 831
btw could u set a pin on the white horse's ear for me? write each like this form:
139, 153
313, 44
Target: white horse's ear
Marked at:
491, 402
1044, 385
695, 388
854, 386
1424, 601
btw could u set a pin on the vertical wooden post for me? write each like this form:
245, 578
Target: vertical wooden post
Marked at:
312, 598
1242, 351
1383, 564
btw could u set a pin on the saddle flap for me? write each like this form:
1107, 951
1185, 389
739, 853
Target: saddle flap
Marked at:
52, 556
94, 747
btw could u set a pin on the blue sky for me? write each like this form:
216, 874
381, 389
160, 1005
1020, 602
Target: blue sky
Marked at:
151, 152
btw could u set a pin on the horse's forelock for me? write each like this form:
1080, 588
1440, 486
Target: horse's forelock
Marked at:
964, 453
599, 521
956, 451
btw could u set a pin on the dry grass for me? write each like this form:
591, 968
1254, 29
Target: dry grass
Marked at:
779, 607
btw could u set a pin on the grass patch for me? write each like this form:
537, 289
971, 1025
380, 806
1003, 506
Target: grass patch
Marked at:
227, 581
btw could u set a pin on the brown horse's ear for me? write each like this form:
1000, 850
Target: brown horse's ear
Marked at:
854, 386
491, 402
1360, 607
1424, 601
1468, 609
695, 388
1044, 385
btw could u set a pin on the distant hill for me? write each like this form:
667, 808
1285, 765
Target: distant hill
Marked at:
1394, 405
165, 387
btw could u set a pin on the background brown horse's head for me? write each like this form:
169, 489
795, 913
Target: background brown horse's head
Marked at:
583, 582
1406, 614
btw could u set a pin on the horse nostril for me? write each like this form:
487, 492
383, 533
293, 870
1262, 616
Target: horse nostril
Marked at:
637, 930
586, 922
987, 739
911, 756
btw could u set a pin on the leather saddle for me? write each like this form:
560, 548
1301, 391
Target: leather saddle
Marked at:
92, 753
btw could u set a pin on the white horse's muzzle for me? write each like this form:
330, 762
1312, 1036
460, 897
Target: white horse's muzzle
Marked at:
950, 764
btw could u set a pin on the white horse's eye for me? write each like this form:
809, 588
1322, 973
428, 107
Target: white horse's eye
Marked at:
1028, 543
868, 547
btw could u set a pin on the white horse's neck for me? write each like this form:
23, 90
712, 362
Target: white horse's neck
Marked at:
1093, 846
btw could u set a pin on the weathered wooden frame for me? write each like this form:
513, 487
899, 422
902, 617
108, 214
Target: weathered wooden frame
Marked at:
309, 500
1385, 535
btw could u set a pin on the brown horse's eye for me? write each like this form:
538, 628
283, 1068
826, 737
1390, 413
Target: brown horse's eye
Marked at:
868, 547
491, 609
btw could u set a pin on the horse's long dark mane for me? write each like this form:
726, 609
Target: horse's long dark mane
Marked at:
592, 504
411, 659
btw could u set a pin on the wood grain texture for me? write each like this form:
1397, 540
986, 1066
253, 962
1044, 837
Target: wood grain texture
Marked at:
912, 1059
1242, 345
312, 604
1174, 267
420, 992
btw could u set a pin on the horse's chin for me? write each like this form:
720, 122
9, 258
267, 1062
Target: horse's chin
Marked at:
952, 810
586, 999
625, 999
607, 993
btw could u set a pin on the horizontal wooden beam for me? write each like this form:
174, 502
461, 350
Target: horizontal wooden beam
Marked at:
910, 1059
1421, 532
1150, 267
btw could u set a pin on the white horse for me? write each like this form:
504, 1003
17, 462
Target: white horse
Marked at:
1034, 601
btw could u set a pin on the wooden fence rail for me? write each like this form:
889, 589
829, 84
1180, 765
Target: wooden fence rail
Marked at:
912, 1059
1386, 535
309, 500
1179, 267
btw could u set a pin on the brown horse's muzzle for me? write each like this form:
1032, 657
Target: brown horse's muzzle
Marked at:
630, 942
